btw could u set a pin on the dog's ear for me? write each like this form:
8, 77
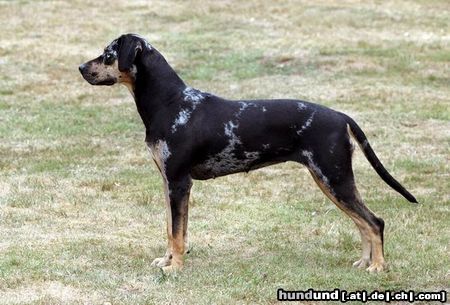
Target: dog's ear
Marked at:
129, 46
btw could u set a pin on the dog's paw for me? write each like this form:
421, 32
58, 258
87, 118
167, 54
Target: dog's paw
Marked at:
376, 267
362, 263
161, 262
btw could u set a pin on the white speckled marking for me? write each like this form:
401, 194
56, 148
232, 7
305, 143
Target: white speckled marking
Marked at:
243, 106
307, 124
182, 118
160, 152
193, 96
301, 106
229, 131
316, 169
253, 155
226, 160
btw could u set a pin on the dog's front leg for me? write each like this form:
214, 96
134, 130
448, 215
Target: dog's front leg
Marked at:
177, 198
167, 258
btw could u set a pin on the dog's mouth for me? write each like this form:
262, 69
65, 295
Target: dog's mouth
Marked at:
94, 81
108, 82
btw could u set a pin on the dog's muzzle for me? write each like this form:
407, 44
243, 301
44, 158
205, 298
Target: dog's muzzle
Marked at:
91, 77
85, 73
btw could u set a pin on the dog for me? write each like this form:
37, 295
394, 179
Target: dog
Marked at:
193, 135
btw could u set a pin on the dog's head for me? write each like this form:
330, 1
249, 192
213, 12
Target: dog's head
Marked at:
117, 64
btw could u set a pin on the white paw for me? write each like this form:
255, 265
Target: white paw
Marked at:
161, 262
362, 263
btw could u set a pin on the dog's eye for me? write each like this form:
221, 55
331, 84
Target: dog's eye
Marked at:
108, 59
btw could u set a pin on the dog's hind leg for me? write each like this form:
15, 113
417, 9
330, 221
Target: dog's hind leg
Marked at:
364, 261
334, 176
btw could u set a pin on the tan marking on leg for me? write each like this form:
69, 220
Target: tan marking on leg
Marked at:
364, 261
376, 245
371, 242
364, 230
326, 191
372, 247
178, 240
378, 263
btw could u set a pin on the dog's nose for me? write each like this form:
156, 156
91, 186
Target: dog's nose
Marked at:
81, 68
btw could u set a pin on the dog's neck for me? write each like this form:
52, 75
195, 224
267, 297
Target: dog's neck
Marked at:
156, 87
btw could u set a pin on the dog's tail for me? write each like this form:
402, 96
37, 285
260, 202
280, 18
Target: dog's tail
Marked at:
361, 138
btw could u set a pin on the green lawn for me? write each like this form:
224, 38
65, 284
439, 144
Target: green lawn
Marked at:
81, 202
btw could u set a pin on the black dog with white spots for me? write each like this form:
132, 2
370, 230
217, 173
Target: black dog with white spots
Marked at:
197, 135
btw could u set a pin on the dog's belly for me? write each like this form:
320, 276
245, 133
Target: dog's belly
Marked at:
217, 166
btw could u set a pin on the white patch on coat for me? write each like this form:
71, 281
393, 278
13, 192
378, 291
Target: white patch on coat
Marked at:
307, 124
316, 169
252, 155
160, 152
229, 129
226, 161
194, 97
242, 107
264, 109
114, 53
301, 106
182, 118
245, 105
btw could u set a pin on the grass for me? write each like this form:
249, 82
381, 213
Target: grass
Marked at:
81, 204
